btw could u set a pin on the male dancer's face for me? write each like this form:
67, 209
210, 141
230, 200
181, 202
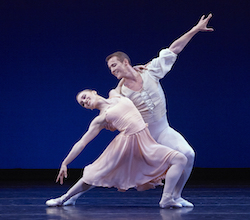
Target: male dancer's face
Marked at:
117, 68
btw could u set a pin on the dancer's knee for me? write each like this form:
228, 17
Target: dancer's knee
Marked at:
180, 159
190, 155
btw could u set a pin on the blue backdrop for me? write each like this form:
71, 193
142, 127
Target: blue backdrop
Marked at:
50, 50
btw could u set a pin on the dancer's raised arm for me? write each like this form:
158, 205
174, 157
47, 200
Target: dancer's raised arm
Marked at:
178, 45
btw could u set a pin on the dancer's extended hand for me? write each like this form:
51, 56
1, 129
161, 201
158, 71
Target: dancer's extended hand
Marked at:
202, 24
62, 174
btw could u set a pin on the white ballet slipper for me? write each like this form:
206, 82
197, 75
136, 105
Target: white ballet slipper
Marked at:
168, 202
54, 202
58, 201
184, 202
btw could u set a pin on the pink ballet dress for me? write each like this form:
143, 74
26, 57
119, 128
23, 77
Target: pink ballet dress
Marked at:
133, 159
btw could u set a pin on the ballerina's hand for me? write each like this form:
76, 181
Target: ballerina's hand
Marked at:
62, 174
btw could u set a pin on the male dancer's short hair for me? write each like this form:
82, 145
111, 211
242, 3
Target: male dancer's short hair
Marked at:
120, 56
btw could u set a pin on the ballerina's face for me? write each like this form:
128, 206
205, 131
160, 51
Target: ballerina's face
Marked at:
87, 99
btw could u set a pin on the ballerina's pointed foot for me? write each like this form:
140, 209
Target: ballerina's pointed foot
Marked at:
184, 202
54, 202
168, 202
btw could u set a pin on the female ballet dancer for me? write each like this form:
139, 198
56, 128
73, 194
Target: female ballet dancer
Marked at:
132, 160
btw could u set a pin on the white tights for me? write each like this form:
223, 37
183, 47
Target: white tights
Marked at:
165, 135
75, 192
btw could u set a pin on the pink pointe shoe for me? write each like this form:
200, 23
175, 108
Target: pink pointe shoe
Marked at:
168, 202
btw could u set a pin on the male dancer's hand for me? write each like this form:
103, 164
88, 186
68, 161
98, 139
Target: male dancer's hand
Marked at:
178, 45
140, 68
202, 24
62, 174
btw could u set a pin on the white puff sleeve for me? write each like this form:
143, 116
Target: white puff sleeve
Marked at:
161, 65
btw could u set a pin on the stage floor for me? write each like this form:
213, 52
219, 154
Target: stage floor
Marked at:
26, 201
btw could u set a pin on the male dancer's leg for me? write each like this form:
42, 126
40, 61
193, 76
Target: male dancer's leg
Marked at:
172, 177
165, 135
